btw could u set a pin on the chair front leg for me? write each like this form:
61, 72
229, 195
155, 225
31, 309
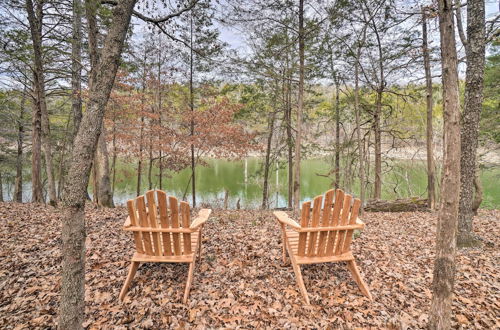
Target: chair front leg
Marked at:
130, 276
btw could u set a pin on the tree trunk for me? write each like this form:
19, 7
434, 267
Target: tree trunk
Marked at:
377, 193
475, 53
478, 193
35, 18
289, 136
337, 134
139, 162
101, 166
191, 105
300, 108
36, 155
361, 144
267, 165
76, 67
1, 188
446, 231
72, 303
431, 189
18, 186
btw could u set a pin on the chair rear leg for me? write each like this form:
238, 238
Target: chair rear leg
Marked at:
199, 243
298, 275
353, 268
189, 281
130, 276
283, 240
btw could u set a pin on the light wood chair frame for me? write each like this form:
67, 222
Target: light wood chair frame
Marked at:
324, 237
163, 233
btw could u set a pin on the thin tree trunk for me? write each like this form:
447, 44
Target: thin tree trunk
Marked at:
267, 163
337, 134
113, 160
377, 192
18, 186
431, 189
139, 162
288, 122
35, 18
72, 303
444, 264
191, 105
1, 188
300, 108
160, 137
36, 155
475, 53
361, 144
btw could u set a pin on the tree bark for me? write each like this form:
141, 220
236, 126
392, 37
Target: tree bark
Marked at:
104, 192
191, 105
1, 188
444, 264
36, 155
475, 57
300, 108
377, 192
18, 185
431, 189
72, 303
357, 110
35, 19
139, 161
267, 165
76, 66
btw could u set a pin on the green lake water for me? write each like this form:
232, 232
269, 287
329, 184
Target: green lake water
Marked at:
243, 181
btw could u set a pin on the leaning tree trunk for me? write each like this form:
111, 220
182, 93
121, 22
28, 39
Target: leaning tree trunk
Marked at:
475, 52
35, 19
444, 264
431, 189
300, 109
72, 303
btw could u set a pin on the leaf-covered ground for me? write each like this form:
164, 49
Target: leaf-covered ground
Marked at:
240, 281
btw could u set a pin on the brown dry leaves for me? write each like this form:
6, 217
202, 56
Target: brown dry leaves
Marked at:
240, 281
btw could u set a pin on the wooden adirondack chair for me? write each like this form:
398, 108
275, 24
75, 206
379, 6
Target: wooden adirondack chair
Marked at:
163, 233
324, 237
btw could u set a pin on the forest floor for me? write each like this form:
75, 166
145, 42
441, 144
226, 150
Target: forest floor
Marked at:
240, 281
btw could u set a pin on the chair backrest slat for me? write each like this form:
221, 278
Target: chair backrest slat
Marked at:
304, 222
352, 220
133, 221
174, 218
311, 250
164, 222
185, 216
325, 221
144, 222
153, 222
332, 235
344, 218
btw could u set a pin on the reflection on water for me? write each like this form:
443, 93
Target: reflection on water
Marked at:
242, 180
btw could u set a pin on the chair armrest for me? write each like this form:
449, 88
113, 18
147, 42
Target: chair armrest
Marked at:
285, 219
201, 218
359, 222
127, 222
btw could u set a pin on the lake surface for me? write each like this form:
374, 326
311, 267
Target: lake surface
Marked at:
243, 181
